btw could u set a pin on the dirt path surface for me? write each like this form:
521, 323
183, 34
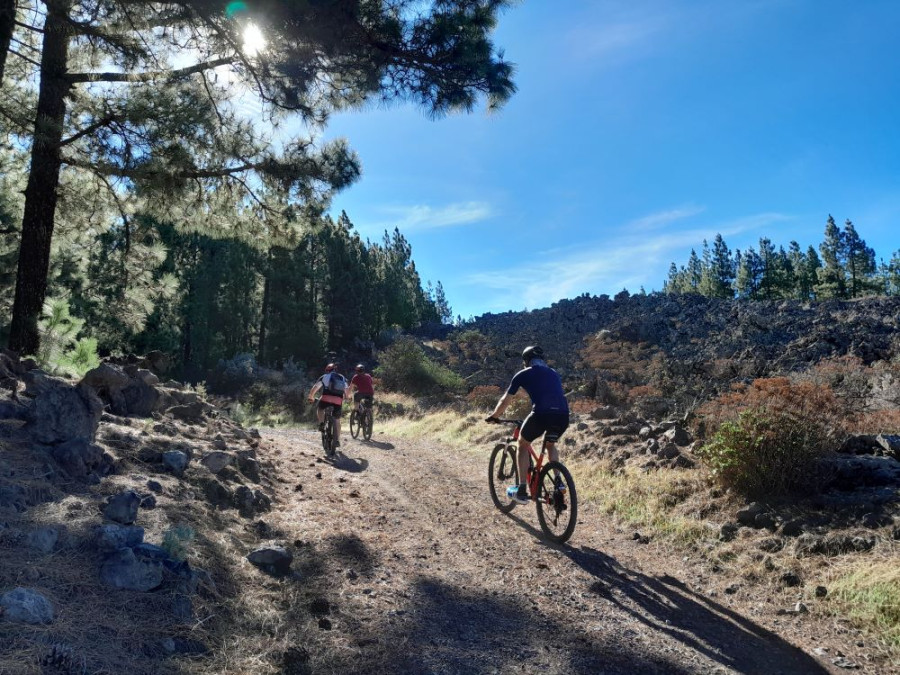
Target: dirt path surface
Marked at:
410, 569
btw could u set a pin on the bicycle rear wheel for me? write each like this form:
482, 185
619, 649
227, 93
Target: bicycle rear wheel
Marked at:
367, 424
328, 433
557, 502
355, 424
502, 472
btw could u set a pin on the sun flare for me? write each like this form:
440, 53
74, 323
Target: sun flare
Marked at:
254, 42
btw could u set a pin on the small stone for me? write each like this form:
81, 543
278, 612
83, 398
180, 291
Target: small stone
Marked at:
771, 544
748, 514
319, 606
148, 502
155, 486
324, 624
113, 537
216, 461
732, 589
275, 559
790, 579
843, 662
728, 532
792, 528
800, 608
821, 591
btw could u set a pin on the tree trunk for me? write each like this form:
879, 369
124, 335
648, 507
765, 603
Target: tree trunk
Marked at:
7, 24
43, 180
264, 312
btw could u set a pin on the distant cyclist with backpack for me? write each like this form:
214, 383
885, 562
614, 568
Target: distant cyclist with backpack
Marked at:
549, 411
361, 386
334, 388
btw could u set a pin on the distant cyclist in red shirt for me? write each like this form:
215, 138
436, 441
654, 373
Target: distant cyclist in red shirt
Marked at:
361, 386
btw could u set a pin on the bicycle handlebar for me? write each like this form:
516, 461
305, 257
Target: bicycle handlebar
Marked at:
499, 420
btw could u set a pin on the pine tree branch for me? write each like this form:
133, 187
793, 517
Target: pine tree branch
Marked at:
87, 130
26, 58
122, 172
27, 26
149, 76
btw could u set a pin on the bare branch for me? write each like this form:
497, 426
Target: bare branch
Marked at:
150, 76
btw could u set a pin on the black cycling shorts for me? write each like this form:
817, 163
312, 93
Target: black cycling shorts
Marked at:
336, 406
357, 397
537, 424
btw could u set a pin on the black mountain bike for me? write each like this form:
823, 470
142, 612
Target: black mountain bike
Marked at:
329, 433
550, 485
362, 420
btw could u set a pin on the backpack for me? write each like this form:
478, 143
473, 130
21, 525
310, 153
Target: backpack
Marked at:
334, 384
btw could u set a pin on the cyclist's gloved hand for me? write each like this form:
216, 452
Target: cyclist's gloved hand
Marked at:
492, 420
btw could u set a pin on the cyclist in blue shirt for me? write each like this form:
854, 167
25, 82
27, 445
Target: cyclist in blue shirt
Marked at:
549, 410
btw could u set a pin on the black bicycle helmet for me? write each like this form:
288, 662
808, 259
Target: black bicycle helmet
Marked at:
360, 368
533, 352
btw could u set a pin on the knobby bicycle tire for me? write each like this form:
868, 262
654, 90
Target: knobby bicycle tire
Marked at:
549, 503
328, 433
355, 424
502, 472
367, 424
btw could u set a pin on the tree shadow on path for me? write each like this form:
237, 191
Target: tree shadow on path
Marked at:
668, 606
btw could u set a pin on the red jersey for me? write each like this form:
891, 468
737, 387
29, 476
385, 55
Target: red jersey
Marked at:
363, 384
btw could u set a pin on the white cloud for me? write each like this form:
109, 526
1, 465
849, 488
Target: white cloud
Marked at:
628, 259
425, 217
660, 219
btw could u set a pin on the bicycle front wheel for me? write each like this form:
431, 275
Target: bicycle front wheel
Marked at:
502, 472
557, 502
355, 424
367, 424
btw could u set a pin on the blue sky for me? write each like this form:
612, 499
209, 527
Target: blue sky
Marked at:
639, 129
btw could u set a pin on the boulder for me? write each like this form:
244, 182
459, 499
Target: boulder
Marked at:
606, 412
190, 412
248, 465
175, 461
146, 377
123, 507
113, 537
24, 605
61, 412
78, 457
678, 436
747, 515
141, 399
124, 570
890, 443
216, 461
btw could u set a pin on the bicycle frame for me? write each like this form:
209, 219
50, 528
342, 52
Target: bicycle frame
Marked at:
536, 460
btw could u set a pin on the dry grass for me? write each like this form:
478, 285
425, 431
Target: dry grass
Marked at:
666, 503
868, 593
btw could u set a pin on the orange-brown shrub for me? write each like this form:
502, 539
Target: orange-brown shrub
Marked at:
774, 395
765, 438
875, 422
484, 396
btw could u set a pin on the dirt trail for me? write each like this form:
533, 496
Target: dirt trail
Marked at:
422, 574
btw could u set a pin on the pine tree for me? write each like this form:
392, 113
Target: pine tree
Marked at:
832, 275
168, 131
861, 266
749, 274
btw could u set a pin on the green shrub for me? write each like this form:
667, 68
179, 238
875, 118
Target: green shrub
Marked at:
767, 453
233, 375
177, 540
59, 351
404, 366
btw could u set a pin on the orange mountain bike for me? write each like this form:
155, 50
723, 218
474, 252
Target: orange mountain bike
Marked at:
550, 486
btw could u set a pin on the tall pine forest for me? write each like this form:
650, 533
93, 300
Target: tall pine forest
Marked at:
144, 207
